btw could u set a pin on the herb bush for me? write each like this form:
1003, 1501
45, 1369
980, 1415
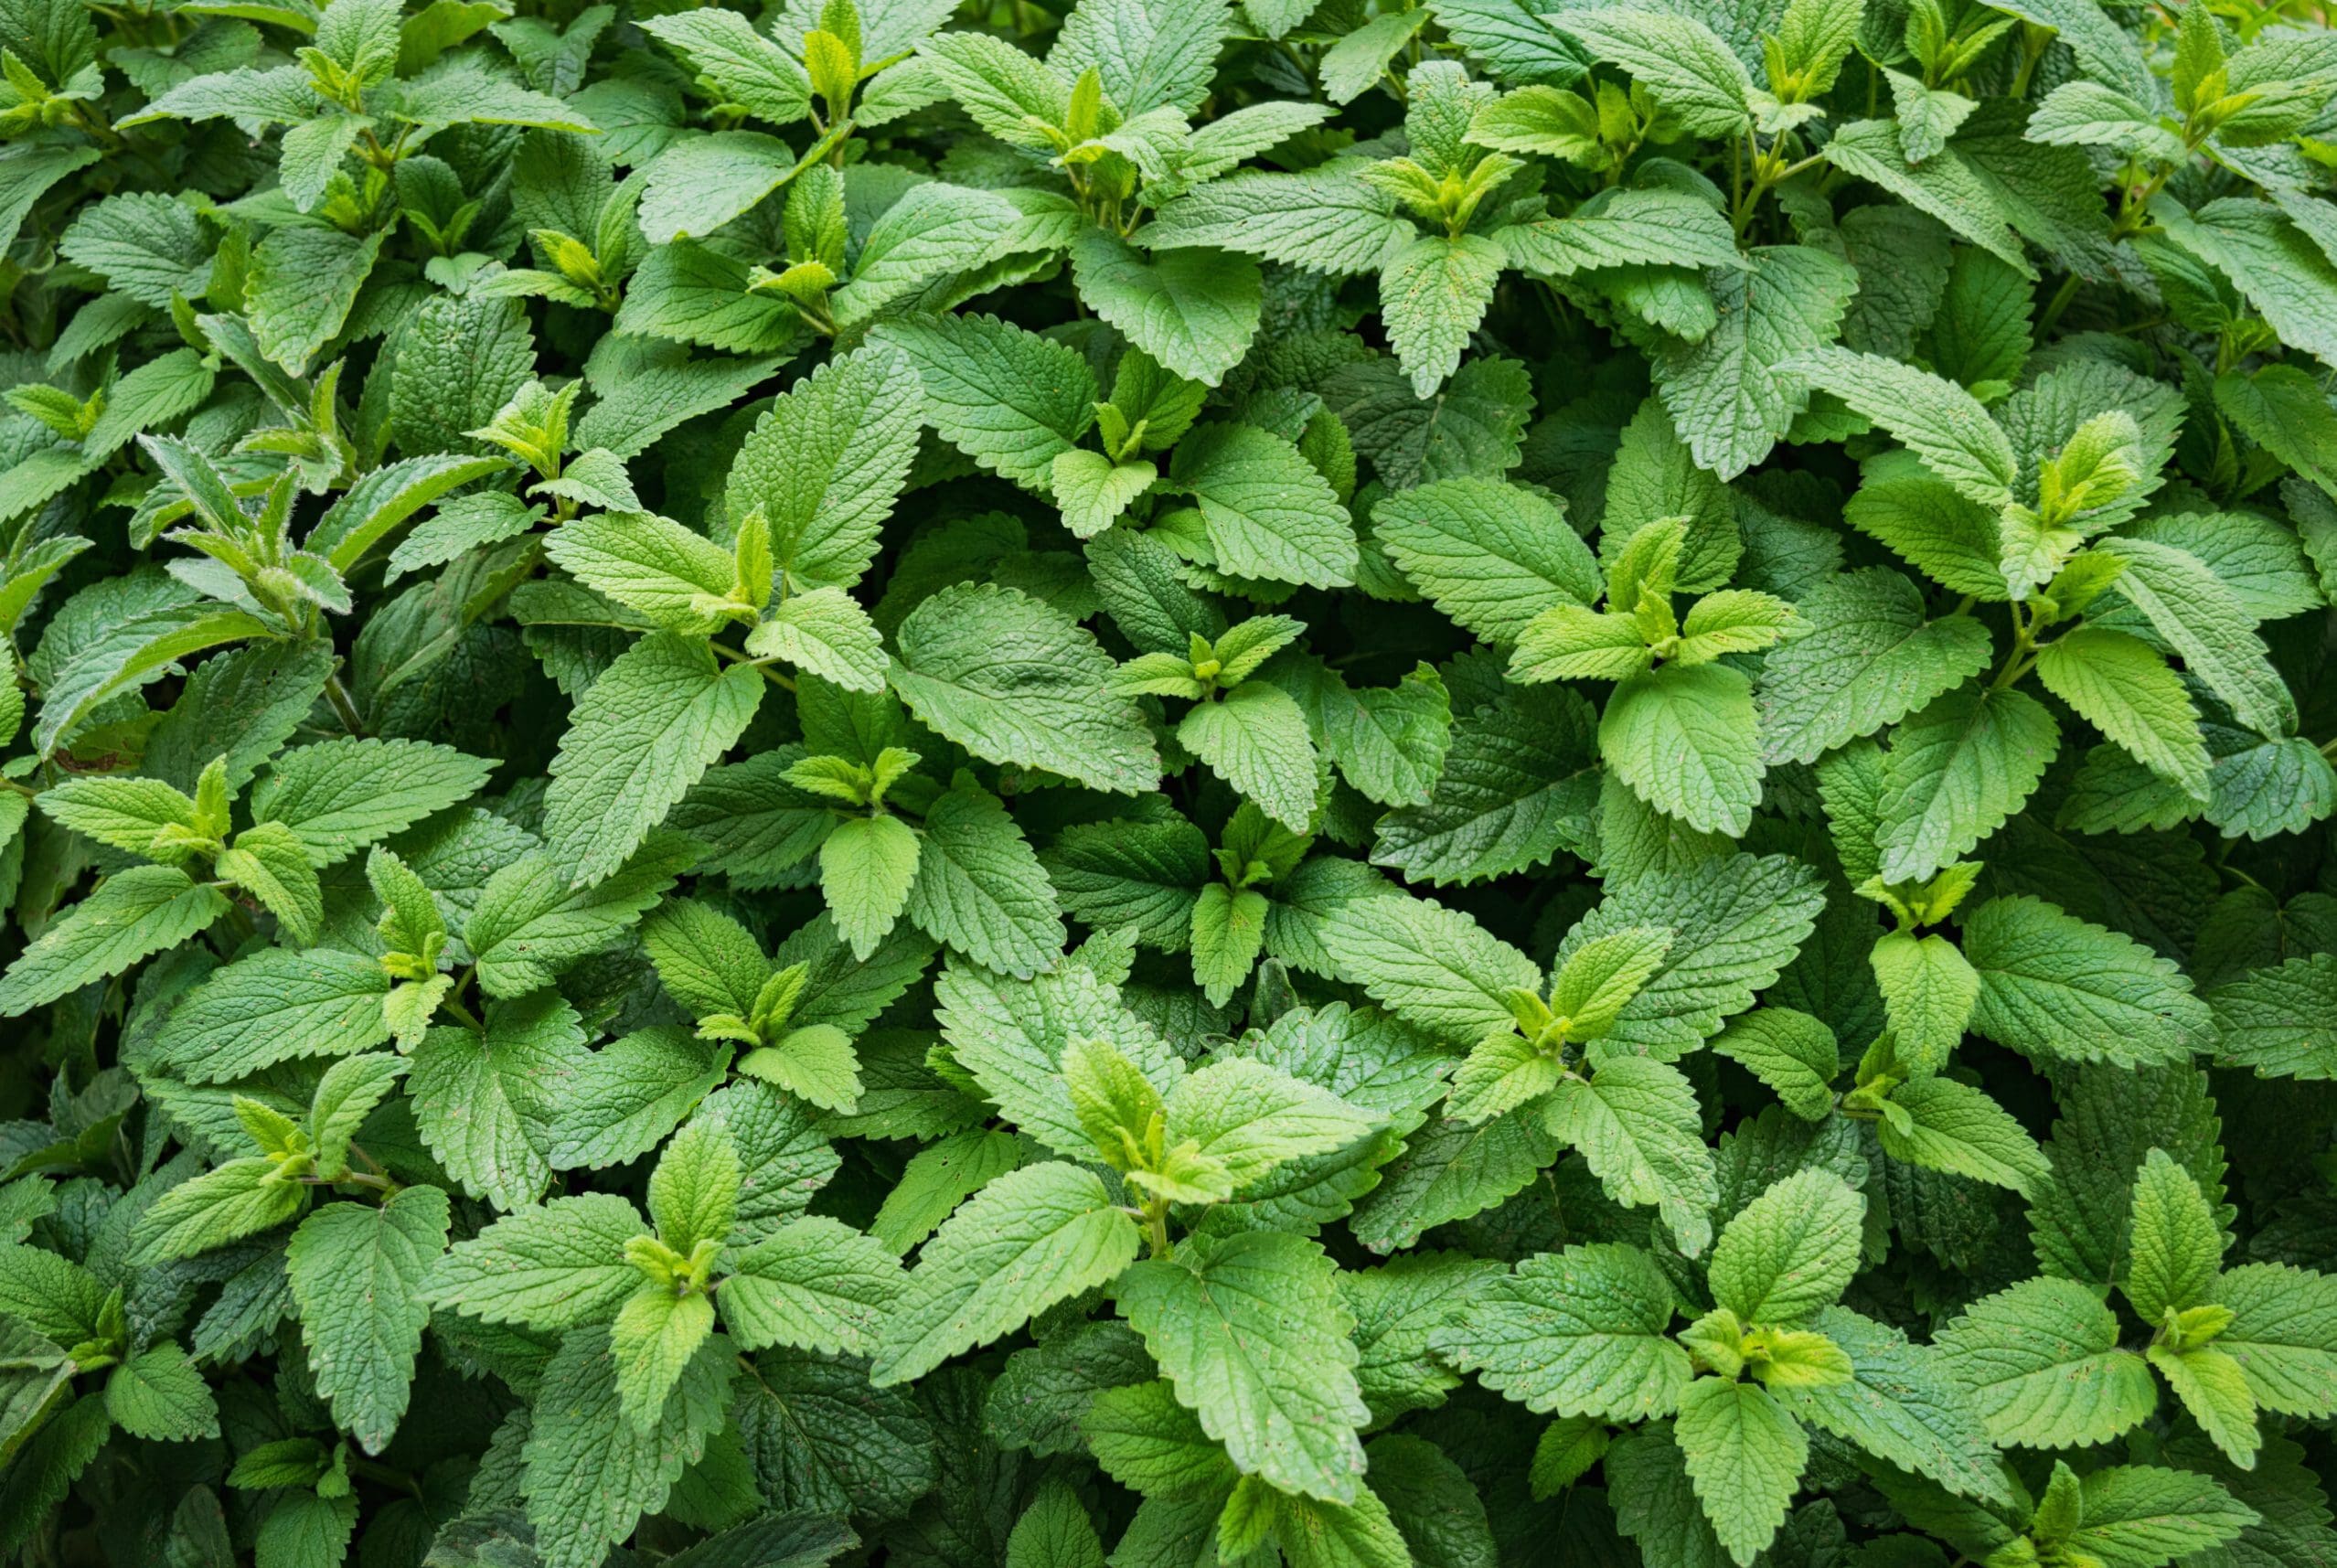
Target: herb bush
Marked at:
1178, 785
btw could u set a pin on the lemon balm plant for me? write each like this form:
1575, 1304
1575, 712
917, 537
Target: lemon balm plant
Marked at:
1187, 784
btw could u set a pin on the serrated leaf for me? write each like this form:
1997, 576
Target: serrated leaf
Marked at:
1578, 1332
2042, 1364
1636, 1124
1252, 1335
356, 1273
647, 729
1025, 1242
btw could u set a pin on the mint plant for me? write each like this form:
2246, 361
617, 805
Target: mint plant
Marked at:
1189, 783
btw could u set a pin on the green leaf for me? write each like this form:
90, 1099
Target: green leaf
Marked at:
588, 1474
1957, 771
132, 913
304, 283
1430, 965
1269, 512
2177, 1246
1518, 784
1902, 1406
1928, 988
1655, 1502
1599, 978
356, 1274
1581, 1331
1054, 1532
1191, 308
272, 1007
529, 924
159, 1395
1226, 931
1249, 1119
691, 294
1003, 88
1638, 1126
2209, 625
1433, 294
1869, 659
652, 1340
1491, 555
694, 1191
130, 652
340, 795
1794, 1054
1093, 491
1736, 922
1691, 74
1956, 189
2281, 409
1389, 742
1727, 393
1256, 738
1622, 228
631, 1092
1252, 1333
1745, 1456
2060, 988
2283, 1333
2274, 1019
1790, 1251
484, 1103
2120, 685
552, 1267
1322, 221
815, 1283
2287, 277
1954, 1128
2042, 1364
2140, 1516
1013, 680
1027, 1240
979, 887
647, 563
866, 867
825, 465
1935, 418
346, 1095
931, 231
1147, 1442
239, 1198
696, 187
745, 66
652, 724
1012, 401
1684, 737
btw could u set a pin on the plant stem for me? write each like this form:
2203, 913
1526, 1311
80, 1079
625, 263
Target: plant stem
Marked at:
1156, 1225
2059, 302
344, 706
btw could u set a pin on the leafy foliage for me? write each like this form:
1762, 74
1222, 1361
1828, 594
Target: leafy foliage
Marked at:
1189, 783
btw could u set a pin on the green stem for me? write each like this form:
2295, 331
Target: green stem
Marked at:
2059, 304
2133, 207
374, 1470
344, 706
784, 682
2023, 656
1156, 1225
2035, 41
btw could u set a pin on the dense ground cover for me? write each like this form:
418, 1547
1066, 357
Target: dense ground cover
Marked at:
1185, 783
